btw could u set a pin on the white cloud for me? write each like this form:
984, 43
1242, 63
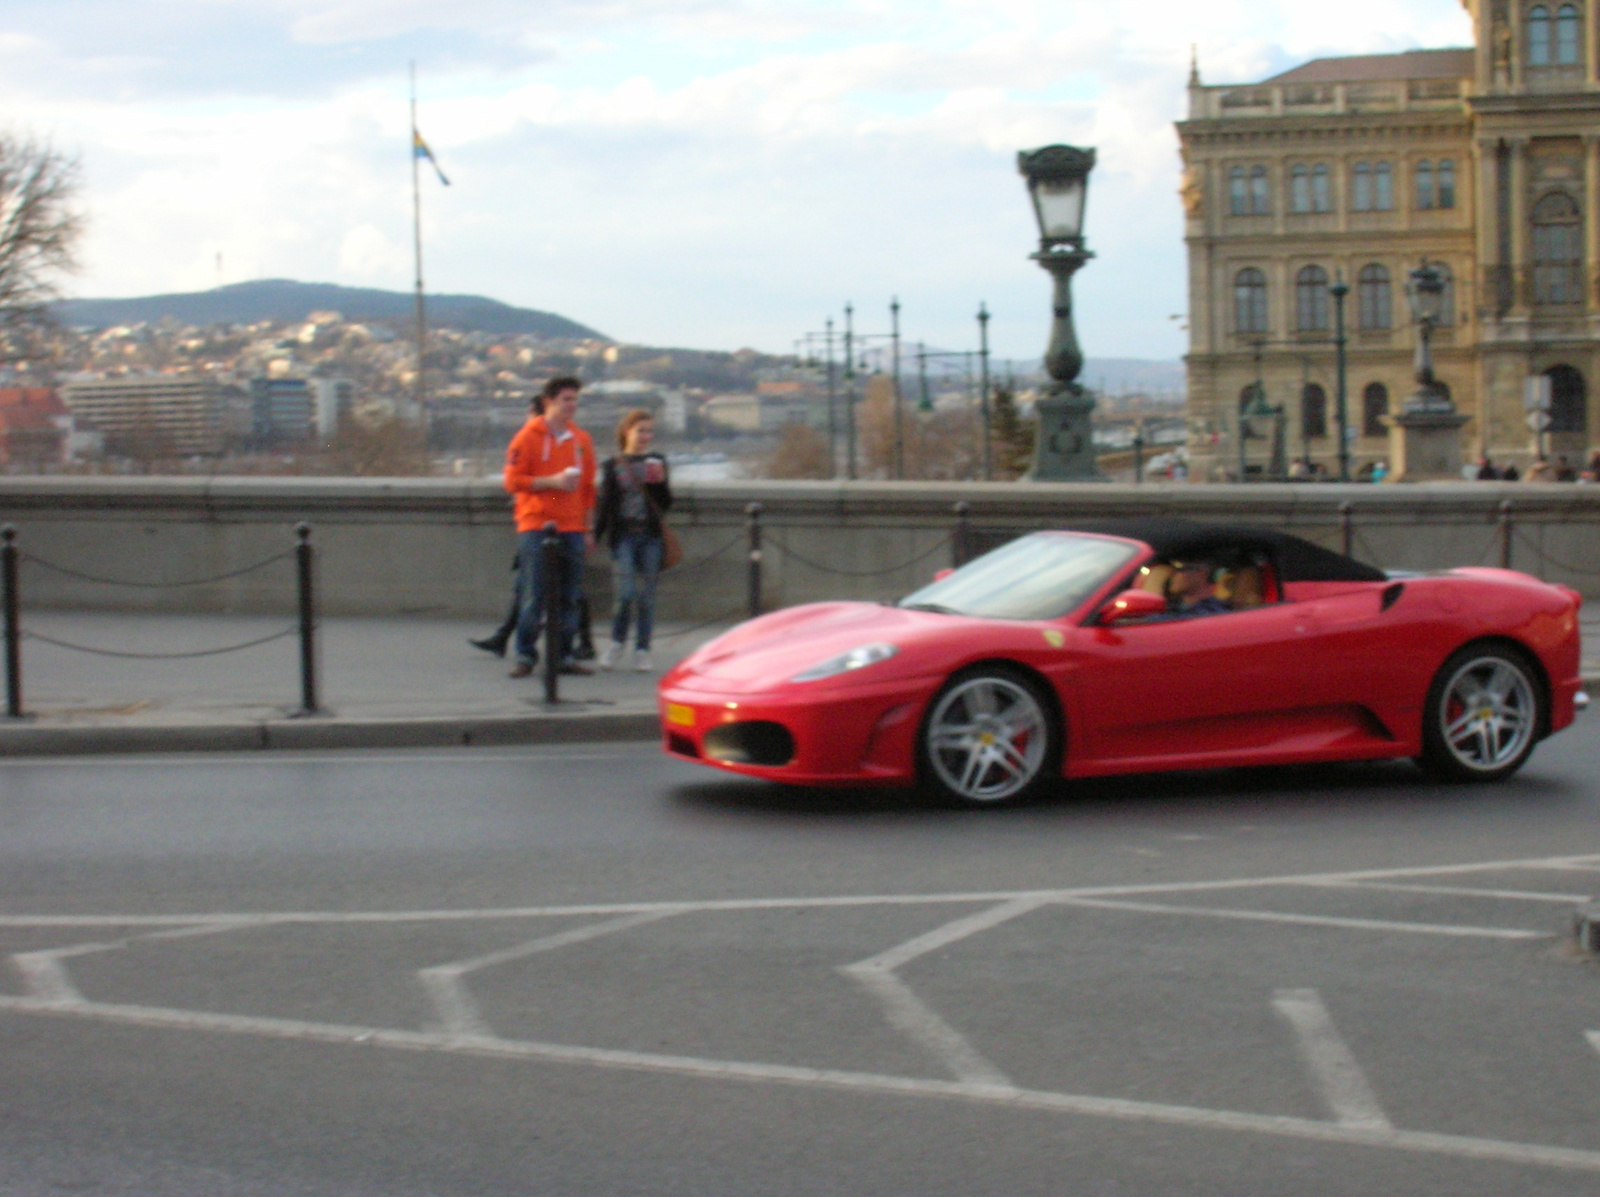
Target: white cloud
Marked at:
682, 177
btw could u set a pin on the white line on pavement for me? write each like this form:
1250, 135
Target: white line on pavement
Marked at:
1310, 920
910, 1015
1456, 891
235, 918
1458, 1146
1334, 1069
459, 1011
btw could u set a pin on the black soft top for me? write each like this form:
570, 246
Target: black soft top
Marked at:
1296, 560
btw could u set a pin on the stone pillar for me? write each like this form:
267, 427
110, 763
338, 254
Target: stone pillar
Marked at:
1521, 232
1591, 220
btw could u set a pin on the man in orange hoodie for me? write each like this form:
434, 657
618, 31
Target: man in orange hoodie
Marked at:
550, 475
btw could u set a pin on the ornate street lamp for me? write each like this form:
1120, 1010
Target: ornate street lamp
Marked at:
1425, 438
1425, 289
1058, 184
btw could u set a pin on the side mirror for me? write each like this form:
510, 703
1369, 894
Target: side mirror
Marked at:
942, 574
1132, 604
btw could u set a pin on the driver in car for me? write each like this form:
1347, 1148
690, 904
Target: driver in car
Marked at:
1189, 592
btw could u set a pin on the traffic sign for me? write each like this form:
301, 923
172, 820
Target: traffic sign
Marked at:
1539, 421
1536, 393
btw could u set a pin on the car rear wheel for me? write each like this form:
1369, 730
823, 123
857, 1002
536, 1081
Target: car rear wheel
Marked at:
1483, 715
989, 736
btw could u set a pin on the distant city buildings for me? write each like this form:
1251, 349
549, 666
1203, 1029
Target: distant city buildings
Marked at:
151, 416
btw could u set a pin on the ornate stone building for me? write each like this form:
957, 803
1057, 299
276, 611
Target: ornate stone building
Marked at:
1483, 160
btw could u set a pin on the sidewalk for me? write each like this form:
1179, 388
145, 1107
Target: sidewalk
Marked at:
384, 683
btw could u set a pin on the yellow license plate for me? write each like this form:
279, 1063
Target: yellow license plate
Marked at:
681, 715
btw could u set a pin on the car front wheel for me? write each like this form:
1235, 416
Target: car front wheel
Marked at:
1482, 716
989, 736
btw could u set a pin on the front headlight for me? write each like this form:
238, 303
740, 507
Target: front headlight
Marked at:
856, 658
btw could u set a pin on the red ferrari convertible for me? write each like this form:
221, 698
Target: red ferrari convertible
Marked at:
1134, 646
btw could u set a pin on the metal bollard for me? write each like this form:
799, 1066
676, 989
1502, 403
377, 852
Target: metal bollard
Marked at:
754, 513
1505, 533
959, 538
552, 567
304, 561
1347, 526
13, 616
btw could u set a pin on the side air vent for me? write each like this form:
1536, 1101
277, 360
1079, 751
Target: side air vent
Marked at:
1391, 595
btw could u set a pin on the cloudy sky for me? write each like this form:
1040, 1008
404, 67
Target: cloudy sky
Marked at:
710, 173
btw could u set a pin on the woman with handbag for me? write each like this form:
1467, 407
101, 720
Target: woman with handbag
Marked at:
634, 496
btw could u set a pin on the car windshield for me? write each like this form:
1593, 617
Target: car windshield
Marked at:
1042, 576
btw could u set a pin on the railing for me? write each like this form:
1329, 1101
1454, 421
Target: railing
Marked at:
13, 557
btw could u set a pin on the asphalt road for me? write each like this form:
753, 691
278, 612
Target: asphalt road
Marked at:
593, 971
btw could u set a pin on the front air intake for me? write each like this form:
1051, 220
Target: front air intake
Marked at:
758, 742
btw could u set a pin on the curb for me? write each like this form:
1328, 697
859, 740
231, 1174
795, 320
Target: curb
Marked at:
332, 733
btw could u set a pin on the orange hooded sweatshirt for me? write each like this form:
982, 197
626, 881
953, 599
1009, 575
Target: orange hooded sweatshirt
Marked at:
535, 452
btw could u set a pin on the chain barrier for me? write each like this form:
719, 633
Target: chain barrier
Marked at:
110, 652
730, 617
207, 581
1533, 546
939, 547
12, 558
689, 569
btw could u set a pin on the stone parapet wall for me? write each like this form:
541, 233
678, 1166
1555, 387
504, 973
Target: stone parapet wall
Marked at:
442, 547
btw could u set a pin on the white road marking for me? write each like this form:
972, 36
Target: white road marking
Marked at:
236, 918
1457, 891
1457, 1146
1338, 1077
459, 1011
912, 1016
1594, 1039
1311, 920
47, 978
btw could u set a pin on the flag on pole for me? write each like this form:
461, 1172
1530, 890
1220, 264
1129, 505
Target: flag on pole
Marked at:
421, 150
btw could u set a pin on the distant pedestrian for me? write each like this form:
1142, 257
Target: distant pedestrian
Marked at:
1540, 471
1564, 470
1510, 473
635, 493
1486, 471
550, 472
1592, 472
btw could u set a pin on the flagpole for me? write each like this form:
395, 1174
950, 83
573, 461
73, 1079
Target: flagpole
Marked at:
416, 230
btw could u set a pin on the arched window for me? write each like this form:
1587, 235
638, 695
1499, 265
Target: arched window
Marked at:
1383, 187
1567, 27
1250, 301
1375, 306
1321, 192
1568, 400
1447, 183
1300, 188
1538, 36
1426, 196
1313, 412
1361, 188
1557, 250
1375, 410
1260, 202
1311, 299
1238, 192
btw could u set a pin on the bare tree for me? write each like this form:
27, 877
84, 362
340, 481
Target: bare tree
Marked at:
39, 230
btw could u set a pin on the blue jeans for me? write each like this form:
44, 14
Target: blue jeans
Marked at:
531, 584
635, 565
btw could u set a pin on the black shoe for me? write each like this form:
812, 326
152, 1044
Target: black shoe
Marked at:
491, 644
573, 669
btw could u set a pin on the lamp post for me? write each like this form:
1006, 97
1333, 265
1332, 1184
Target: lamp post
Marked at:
1341, 410
899, 421
833, 408
1425, 438
983, 375
850, 391
1058, 183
